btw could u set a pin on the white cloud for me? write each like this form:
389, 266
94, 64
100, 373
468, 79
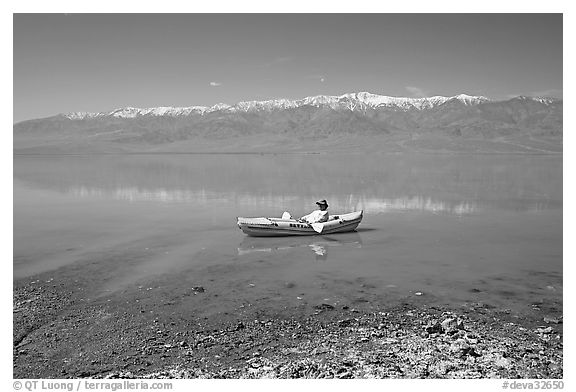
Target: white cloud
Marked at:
417, 92
215, 84
319, 77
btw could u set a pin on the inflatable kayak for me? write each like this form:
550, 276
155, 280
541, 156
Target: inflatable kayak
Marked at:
278, 227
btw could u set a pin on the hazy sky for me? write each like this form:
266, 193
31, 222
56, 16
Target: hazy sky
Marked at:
99, 62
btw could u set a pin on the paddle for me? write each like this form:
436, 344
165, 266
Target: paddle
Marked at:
318, 227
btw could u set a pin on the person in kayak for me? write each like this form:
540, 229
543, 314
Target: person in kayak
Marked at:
317, 216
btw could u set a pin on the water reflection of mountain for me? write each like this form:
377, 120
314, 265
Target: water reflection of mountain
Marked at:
373, 182
338, 203
318, 245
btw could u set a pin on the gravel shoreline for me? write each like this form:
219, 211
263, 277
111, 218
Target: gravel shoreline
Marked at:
64, 329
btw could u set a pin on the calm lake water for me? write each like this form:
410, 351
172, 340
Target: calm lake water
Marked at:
481, 228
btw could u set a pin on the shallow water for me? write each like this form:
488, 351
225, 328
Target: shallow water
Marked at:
480, 228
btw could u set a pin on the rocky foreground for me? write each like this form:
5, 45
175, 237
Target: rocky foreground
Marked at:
394, 344
59, 333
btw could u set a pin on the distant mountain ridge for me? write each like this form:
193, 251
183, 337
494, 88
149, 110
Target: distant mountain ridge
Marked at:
436, 123
351, 101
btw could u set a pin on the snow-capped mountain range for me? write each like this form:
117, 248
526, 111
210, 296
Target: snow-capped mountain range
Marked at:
460, 123
351, 101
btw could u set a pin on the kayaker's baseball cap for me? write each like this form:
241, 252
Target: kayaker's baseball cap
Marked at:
322, 203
